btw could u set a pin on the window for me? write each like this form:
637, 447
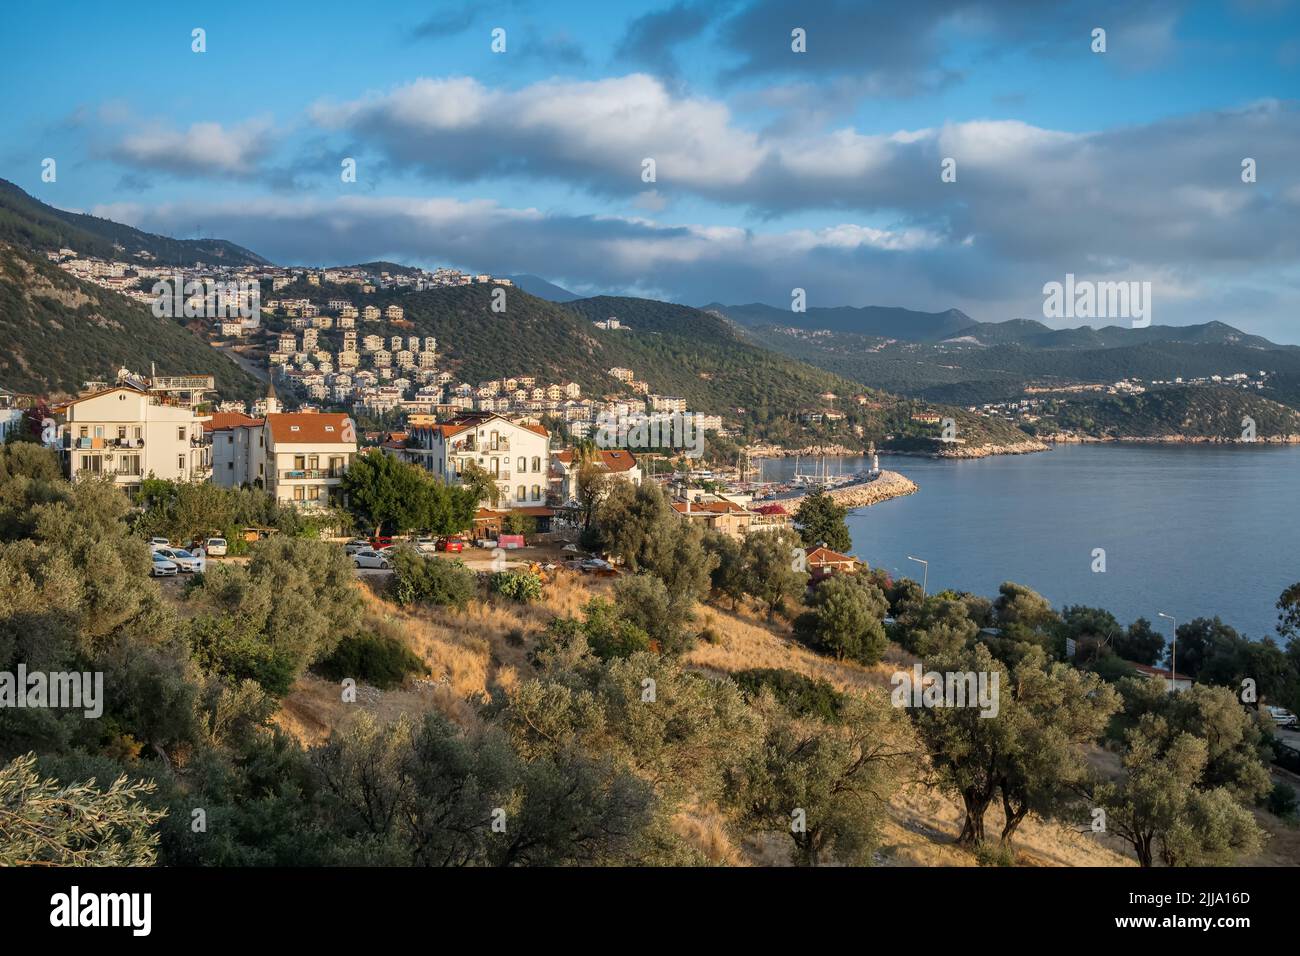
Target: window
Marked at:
537, 464
180, 462
180, 433
230, 466
230, 439
496, 440
139, 433
297, 492
523, 465
299, 462
313, 493
537, 492
496, 466
84, 432
314, 462
521, 493
99, 431
121, 433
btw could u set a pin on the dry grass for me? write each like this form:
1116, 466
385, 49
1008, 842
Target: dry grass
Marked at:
471, 652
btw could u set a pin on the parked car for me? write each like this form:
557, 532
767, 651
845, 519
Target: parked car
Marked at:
1282, 717
426, 545
355, 545
370, 558
384, 541
184, 560
155, 543
454, 545
216, 547
162, 567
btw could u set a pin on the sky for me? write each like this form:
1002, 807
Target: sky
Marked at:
773, 170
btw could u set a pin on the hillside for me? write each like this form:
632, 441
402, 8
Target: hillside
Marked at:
679, 350
26, 221
1199, 412
871, 320
964, 371
56, 332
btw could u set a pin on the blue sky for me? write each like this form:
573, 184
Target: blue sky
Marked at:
774, 170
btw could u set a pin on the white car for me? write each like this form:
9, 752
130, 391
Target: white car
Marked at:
369, 558
162, 567
355, 545
216, 547
1282, 717
156, 543
426, 545
184, 560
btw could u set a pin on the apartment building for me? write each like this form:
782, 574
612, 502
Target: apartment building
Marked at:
129, 435
516, 454
297, 457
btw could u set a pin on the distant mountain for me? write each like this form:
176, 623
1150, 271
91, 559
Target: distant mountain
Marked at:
57, 332
873, 320
536, 285
26, 221
1034, 334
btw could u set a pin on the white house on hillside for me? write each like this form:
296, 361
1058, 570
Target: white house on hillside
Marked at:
130, 435
515, 454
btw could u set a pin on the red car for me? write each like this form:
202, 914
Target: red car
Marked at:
454, 545
382, 542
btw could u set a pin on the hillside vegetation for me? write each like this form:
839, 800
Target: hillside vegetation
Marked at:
57, 332
27, 221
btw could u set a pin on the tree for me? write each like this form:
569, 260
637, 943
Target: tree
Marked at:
728, 577
1030, 751
518, 523
645, 601
827, 785
1160, 807
821, 523
845, 618
638, 524
1141, 643
44, 822
773, 568
939, 627
383, 491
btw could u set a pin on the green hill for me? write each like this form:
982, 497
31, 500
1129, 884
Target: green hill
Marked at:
56, 332
1202, 411
26, 221
680, 351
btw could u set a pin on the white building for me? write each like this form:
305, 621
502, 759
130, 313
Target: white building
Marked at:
130, 435
517, 455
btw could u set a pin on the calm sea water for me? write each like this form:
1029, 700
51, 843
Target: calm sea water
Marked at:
1189, 530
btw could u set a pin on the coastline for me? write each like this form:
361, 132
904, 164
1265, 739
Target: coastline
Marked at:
861, 494
1072, 439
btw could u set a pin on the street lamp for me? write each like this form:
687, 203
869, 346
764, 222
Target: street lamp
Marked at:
925, 581
1173, 651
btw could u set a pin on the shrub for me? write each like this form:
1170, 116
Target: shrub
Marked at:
801, 696
376, 659
521, 586
1281, 801
421, 580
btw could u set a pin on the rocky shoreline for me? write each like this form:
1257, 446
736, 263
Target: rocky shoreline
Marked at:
1028, 447
1072, 439
862, 494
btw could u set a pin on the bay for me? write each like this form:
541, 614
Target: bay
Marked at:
1191, 530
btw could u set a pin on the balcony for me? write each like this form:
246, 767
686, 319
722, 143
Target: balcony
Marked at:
301, 473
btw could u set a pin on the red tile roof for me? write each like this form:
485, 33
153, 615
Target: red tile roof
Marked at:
306, 428
222, 420
825, 556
